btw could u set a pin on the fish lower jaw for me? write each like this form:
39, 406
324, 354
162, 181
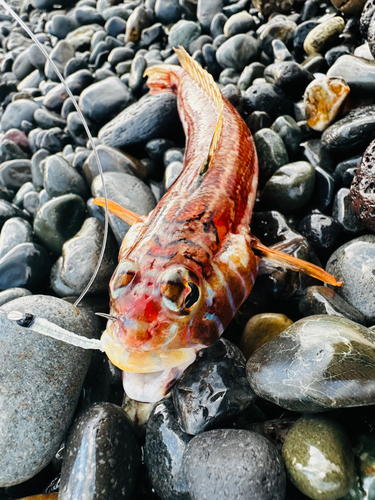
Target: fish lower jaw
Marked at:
145, 362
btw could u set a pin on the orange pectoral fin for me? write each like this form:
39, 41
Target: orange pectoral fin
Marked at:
285, 260
122, 213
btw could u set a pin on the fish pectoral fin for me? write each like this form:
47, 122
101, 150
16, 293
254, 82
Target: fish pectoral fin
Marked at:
122, 213
289, 262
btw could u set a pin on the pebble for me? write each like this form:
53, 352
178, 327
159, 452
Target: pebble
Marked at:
42, 381
269, 98
146, 119
60, 178
271, 151
349, 7
290, 187
290, 76
8, 210
206, 12
290, 133
127, 191
249, 74
9, 150
137, 22
12, 294
168, 11
58, 220
229, 463
319, 459
115, 26
76, 82
80, 257
260, 329
362, 189
212, 389
183, 33
17, 112
322, 232
14, 173
343, 214
323, 34
324, 300
239, 23
323, 99
47, 119
350, 264
237, 52
171, 173
164, 449
60, 55
102, 456
14, 232
217, 24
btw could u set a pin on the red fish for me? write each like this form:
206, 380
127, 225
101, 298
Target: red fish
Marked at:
186, 268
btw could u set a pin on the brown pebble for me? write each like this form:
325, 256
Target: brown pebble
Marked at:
138, 20
260, 329
321, 35
362, 190
323, 99
45, 496
349, 7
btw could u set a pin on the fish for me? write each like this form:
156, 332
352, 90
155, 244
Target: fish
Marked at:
186, 268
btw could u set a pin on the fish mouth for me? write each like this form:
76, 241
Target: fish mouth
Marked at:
145, 362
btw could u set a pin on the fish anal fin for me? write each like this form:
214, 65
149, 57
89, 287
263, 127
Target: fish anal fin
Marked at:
122, 213
290, 262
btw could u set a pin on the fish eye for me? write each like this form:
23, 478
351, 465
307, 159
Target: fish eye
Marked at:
123, 275
180, 290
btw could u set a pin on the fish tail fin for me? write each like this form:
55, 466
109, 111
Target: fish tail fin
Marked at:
160, 78
206, 82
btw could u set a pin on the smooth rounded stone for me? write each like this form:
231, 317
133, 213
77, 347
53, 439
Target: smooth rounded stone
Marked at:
319, 458
75, 64
60, 178
164, 448
115, 25
212, 389
168, 11
362, 189
80, 257
352, 133
324, 190
21, 193
237, 52
14, 173
9, 150
290, 133
271, 152
171, 174
268, 98
290, 76
206, 12
290, 187
80, 38
280, 51
155, 148
151, 34
87, 15
18, 111
120, 54
350, 264
36, 57
239, 23
59, 288
318, 363
258, 120
323, 99
76, 82
8, 210
322, 232
183, 33
137, 22
36, 167
42, 381
127, 191
60, 55
199, 43
324, 300
349, 7
102, 456
315, 64
278, 27
343, 214
25, 265
231, 463
229, 76
217, 24
12, 294
260, 329
332, 55
323, 34
137, 70
47, 119
14, 232
249, 74
146, 119
60, 26
58, 220
274, 430
22, 66
31, 202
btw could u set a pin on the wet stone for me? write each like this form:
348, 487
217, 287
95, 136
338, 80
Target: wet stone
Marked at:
352, 133
58, 220
217, 24
257, 121
269, 98
324, 190
9, 150
8, 210
59, 288
81, 254
260, 329
12, 294
237, 52
335, 53
212, 389
127, 191
206, 11
343, 214
290, 187
249, 74
36, 167
323, 34
362, 190
322, 232
278, 27
60, 178
152, 34
274, 430
318, 363
76, 82
75, 64
155, 148
290, 76
289, 131
171, 173
324, 300
213, 459
60, 55
16, 112
183, 33
88, 15
31, 202
47, 119
14, 232
164, 448
168, 11
319, 459
14, 173
137, 69
40, 390
350, 264
105, 431
239, 23
115, 25
271, 152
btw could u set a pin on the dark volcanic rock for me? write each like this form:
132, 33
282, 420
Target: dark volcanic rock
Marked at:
362, 190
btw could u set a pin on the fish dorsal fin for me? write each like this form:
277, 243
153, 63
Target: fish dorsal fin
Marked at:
205, 81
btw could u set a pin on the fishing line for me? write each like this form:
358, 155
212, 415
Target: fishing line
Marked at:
84, 123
